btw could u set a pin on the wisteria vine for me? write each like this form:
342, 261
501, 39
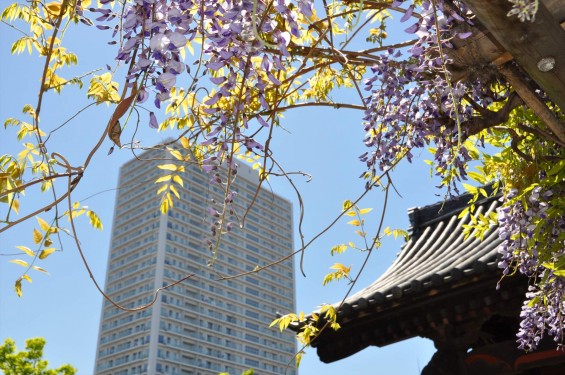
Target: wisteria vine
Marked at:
413, 103
249, 57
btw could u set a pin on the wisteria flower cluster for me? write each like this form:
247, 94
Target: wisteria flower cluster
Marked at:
233, 35
527, 233
413, 103
525, 10
539, 316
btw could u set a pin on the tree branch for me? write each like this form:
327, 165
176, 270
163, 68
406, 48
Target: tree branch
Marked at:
489, 119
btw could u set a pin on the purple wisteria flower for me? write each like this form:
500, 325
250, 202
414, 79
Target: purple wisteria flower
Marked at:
523, 226
413, 105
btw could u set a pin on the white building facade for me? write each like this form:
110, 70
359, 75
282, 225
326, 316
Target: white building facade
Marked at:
203, 325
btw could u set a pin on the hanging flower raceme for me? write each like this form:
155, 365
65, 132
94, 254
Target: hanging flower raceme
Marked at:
413, 103
244, 44
533, 244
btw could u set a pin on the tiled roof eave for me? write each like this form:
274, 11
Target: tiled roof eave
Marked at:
440, 275
470, 299
439, 255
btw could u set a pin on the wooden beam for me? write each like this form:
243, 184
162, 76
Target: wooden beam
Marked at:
528, 42
536, 105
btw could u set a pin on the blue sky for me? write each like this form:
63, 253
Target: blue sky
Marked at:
64, 307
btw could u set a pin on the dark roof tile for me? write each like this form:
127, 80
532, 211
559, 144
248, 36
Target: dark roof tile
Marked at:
438, 252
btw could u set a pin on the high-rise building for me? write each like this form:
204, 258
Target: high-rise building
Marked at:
204, 325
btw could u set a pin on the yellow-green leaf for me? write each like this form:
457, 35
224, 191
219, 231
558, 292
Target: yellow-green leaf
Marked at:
37, 236
177, 155
46, 252
335, 326
341, 268
178, 180
164, 206
168, 167
94, 220
18, 287
175, 191
39, 269
363, 211
361, 233
20, 262
355, 222
16, 206
338, 249
43, 224
163, 179
26, 278
298, 359
26, 250
470, 188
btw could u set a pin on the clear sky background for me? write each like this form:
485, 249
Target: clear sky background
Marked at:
64, 307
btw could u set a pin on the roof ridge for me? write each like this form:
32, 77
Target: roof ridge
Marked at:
424, 216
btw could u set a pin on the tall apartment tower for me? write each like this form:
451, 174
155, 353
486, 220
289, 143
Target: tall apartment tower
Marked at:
203, 325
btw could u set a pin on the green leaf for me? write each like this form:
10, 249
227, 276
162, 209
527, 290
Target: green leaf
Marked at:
534, 301
557, 167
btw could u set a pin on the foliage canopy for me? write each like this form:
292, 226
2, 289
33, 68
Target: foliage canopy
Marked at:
29, 361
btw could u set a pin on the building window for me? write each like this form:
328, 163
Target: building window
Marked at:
251, 362
251, 350
252, 314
